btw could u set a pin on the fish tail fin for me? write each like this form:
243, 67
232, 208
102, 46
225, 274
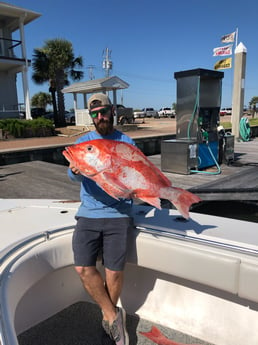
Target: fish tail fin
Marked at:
182, 200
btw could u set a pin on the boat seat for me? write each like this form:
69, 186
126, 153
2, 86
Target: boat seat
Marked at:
198, 265
248, 281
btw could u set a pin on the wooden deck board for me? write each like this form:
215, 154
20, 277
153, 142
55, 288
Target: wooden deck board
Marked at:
236, 181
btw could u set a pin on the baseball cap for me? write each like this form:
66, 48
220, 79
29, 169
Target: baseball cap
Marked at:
98, 100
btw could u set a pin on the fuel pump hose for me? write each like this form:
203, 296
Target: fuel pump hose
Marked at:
244, 129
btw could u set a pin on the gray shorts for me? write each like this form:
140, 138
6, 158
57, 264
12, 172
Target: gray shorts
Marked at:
106, 236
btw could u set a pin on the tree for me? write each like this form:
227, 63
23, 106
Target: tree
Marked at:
252, 105
253, 101
55, 63
41, 100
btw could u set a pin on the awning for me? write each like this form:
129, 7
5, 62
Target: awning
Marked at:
97, 85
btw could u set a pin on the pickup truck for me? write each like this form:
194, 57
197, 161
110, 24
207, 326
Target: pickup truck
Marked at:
146, 112
166, 112
124, 115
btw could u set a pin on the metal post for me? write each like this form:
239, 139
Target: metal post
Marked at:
25, 70
114, 104
238, 88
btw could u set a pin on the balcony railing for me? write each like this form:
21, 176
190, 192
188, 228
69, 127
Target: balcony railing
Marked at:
10, 49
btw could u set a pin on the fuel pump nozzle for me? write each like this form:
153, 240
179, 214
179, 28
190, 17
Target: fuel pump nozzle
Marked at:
205, 136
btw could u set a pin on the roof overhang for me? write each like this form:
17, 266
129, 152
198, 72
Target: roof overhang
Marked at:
12, 14
97, 85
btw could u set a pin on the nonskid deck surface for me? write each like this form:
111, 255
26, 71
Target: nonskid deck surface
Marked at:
80, 324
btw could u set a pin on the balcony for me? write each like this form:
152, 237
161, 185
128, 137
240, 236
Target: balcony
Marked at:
11, 55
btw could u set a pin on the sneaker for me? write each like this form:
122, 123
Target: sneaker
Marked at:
117, 331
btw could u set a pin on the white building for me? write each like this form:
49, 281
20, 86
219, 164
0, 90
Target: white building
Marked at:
13, 58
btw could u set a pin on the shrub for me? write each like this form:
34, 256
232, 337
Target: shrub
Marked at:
28, 128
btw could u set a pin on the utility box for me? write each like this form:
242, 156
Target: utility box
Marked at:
179, 156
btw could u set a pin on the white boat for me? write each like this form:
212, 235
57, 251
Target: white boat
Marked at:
199, 277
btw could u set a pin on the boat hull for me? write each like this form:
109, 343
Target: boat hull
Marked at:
194, 277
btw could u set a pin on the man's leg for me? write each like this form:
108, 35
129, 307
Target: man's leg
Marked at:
94, 284
113, 284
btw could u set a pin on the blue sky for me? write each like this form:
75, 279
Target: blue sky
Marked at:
148, 40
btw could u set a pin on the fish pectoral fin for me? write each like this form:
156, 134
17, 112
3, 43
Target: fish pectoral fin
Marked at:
116, 182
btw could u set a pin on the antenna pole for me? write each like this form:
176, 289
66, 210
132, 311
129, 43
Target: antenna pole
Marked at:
91, 75
107, 63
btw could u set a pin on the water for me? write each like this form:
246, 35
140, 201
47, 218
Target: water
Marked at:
242, 210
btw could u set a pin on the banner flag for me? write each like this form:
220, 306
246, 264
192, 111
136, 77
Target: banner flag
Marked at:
228, 38
223, 51
223, 64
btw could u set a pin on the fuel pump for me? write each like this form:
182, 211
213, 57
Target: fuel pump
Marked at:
208, 142
198, 107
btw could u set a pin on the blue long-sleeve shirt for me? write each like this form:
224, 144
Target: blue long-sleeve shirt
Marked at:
95, 202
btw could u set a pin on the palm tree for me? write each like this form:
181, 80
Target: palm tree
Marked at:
41, 100
55, 63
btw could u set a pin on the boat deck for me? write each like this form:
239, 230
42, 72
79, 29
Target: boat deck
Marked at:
68, 327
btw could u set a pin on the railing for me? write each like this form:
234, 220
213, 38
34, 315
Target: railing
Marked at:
10, 48
207, 242
9, 258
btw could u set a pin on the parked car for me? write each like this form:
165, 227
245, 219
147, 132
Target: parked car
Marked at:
139, 114
70, 118
229, 111
146, 112
166, 112
124, 115
37, 112
49, 116
151, 112
225, 111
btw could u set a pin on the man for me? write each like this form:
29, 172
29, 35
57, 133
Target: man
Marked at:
102, 224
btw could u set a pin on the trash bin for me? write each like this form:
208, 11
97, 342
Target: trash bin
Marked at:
228, 149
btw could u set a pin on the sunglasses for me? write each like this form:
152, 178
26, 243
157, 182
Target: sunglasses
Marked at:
103, 111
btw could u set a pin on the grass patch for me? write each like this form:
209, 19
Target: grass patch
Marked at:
228, 125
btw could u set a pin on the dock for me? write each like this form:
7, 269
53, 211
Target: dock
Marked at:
236, 181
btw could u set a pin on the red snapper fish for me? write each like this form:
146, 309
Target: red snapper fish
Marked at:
157, 337
123, 171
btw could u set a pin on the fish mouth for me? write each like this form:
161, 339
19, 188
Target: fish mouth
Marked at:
67, 152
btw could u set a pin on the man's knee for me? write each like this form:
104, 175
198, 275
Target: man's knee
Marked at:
85, 272
113, 275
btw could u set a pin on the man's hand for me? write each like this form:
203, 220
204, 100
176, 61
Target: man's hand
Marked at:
75, 170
